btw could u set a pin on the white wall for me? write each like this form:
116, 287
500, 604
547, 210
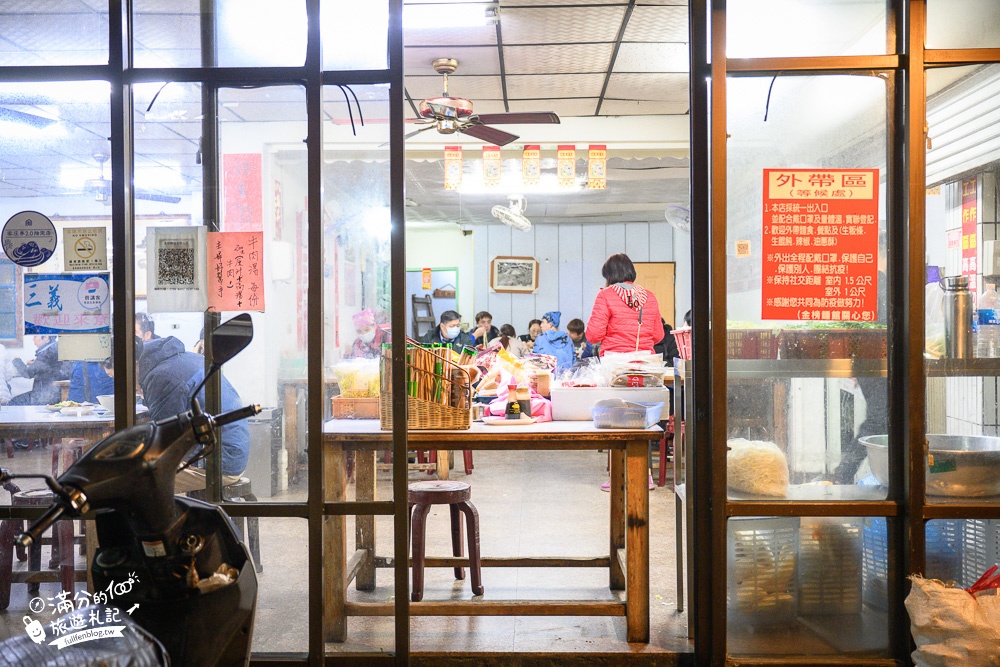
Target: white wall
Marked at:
570, 259
444, 247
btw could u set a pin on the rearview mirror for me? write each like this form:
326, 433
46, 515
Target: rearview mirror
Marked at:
230, 338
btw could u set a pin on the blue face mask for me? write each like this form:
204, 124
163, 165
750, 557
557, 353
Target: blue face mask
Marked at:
453, 332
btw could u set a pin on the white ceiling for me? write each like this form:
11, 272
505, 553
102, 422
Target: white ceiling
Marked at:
616, 73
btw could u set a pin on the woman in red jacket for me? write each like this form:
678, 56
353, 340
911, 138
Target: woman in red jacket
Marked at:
625, 318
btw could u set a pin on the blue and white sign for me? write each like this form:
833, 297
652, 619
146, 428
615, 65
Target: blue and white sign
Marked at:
57, 303
28, 238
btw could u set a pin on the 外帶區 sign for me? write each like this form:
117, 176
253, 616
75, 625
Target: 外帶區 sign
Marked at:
57, 303
820, 245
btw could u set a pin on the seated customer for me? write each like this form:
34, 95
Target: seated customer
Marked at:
485, 331
516, 347
583, 348
88, 381
45, 369
167, 374
554, 342
449, 332
534, 328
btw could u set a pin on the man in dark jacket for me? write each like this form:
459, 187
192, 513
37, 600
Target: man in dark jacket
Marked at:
167, 375
448, 332
45, 369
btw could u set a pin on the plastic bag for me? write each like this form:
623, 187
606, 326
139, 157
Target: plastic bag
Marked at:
951, 626
358, 378
587, 373
615, 364
757, 467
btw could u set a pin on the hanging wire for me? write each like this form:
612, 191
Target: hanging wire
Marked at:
767, 105
350, 114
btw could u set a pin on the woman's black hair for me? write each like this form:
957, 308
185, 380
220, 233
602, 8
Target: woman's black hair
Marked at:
507, 330
618, 269
538, 322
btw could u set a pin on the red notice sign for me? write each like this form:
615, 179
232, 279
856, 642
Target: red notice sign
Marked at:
820, 245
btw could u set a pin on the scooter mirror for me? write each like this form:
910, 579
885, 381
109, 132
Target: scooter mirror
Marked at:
230, 338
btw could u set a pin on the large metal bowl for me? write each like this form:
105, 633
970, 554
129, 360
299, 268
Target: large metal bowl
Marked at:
967, 466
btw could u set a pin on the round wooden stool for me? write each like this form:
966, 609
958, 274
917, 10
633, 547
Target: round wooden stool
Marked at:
420, 497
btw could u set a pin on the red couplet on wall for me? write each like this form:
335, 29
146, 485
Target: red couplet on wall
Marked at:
820, 245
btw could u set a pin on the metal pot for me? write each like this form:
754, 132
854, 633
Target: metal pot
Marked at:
966, 466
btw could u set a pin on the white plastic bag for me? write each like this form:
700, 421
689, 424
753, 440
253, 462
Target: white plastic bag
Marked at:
934, 321
951, 627
757, 467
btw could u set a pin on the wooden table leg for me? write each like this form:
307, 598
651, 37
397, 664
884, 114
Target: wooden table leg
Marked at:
292, 429
442, 464
617, 577
637, 542
364, 526
90, 542
334, 546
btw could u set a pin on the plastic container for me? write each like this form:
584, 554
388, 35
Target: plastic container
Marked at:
762, 560
682, 337
635, 415
829, 565
988, 314
574, 403
980, 548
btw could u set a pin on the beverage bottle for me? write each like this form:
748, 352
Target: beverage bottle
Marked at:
988, 338
513, 406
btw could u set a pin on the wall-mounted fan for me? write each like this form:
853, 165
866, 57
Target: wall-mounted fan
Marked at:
513, 213
679, 217
100, 188
449, 114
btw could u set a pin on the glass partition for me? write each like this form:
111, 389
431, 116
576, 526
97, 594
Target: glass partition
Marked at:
52, 33
962, 24
806, 339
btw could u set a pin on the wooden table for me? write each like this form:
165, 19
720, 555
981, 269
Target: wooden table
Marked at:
628, 555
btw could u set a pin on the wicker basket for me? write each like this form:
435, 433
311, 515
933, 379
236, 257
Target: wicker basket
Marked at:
428, 414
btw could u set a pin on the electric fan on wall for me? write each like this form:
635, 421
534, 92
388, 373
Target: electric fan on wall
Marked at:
513, 214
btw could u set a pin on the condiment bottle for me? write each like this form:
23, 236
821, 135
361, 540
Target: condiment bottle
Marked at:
513, 407
524, 400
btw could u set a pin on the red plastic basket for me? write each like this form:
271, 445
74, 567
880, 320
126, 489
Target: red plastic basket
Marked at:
683, 339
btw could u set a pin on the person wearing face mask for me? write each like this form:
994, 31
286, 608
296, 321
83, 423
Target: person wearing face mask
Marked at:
368, 344
449, 332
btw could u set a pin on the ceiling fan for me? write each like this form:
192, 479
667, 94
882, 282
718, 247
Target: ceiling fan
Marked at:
448, 114
100, 188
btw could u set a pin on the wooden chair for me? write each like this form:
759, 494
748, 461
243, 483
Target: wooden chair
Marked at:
457, 495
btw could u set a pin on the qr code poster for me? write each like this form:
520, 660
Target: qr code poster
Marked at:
175, 269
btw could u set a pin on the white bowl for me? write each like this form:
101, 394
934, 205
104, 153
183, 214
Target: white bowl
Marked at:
79, 411
107, 401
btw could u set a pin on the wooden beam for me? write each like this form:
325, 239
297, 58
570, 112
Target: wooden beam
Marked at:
523, 561
354, 564
493, 608
623, 561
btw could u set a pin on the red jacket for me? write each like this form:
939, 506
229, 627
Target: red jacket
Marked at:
614, 325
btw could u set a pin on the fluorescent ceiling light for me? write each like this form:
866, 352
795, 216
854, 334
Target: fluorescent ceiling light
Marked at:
437, 16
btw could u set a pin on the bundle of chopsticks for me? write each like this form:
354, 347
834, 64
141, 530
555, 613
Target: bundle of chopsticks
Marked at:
432, 376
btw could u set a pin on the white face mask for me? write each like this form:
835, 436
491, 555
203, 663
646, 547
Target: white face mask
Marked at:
453, 332
367, 337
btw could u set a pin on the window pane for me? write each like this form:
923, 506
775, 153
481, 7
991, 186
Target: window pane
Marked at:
962, 24
354, 39
170, 35
47, 142
805, 587
961, 225
53, 33
806, 293
765, 28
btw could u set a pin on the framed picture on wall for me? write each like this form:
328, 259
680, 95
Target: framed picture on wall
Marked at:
514, 274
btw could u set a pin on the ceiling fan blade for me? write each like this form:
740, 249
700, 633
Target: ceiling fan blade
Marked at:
429, 126
151, 196
15, 116
490, 134
526, 118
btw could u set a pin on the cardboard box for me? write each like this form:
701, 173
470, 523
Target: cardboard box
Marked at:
354, 408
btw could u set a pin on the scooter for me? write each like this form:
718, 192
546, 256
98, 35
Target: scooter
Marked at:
174, 563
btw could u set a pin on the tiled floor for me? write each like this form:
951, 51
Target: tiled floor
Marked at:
530, 504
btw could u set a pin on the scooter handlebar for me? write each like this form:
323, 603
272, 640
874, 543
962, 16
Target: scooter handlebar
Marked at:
236, 415
44, 522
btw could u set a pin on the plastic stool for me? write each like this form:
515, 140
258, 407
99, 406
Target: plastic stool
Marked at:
241, 491
420, 497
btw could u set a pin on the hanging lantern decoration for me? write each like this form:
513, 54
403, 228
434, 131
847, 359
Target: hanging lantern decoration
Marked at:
452, 167
597, 167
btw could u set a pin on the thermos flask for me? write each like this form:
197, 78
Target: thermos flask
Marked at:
957, 317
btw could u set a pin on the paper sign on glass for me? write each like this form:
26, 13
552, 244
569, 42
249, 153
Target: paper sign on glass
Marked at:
175, 273
57, 303
820, 245
235, 271
84, 347
85, 249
